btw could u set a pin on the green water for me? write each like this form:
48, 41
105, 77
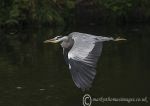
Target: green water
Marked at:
35, 74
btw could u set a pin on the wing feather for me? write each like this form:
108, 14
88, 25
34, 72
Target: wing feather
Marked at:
83, 57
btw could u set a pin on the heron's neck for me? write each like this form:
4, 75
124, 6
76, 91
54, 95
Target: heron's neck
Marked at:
67, 43
65, 38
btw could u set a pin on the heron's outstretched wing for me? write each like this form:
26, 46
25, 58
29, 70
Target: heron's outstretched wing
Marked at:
83, 58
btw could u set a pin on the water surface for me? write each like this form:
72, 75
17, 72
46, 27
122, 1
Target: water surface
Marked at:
35, 74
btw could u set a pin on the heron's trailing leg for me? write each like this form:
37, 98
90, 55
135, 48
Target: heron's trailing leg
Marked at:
119, 39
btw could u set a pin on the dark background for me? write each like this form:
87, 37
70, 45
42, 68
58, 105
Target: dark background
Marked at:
35, 74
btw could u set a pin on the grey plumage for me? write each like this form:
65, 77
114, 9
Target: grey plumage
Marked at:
82, 57
81, 52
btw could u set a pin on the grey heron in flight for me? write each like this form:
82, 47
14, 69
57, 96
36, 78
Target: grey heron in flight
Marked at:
81, 52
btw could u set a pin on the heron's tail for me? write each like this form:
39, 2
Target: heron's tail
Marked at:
119, 39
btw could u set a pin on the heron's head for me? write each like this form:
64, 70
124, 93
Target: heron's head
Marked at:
56, 39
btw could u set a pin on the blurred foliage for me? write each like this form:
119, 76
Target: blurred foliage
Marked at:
59, 12
117, 6
129, 10
34, 11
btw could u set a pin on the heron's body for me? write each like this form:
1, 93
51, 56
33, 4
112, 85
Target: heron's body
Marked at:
81, 52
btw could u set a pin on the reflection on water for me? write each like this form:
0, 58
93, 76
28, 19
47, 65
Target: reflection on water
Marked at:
35, 74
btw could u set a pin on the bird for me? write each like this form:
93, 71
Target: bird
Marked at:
81, 52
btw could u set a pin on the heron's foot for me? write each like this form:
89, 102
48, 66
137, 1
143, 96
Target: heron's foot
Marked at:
120, 39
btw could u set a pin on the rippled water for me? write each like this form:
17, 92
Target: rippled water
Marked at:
35, 74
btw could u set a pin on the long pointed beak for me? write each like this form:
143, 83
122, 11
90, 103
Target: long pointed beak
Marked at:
50, 41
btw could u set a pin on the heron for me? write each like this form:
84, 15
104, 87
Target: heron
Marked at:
81, 52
